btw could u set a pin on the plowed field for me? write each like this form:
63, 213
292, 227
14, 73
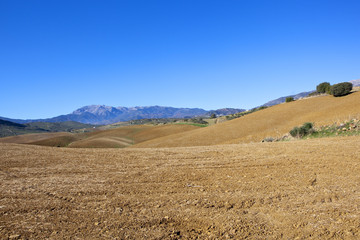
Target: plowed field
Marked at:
112, 138
306, 189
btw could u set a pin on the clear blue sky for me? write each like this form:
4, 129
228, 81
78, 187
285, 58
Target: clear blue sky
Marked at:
59, 55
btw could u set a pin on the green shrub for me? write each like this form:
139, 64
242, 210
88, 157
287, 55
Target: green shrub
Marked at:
308, 126
199, 120
289, 99
305, 129
313, 94
341, 89
323, 87
295, 132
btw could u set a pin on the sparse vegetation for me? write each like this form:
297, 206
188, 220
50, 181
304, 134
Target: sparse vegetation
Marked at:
349, 128
161, 121
199, 120
12, 129
304, 130
193, 124
289, 99
341, 89
241, 114
315, 93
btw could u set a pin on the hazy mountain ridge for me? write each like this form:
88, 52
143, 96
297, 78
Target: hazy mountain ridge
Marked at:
101, 114
282, 99
356, 83
226, 111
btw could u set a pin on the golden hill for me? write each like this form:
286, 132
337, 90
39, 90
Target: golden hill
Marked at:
271, 122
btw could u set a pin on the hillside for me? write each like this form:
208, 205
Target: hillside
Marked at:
112, 138
33, 137
127, 136
8, 128
273, 121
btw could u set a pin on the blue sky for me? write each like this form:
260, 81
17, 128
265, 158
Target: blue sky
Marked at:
59, 55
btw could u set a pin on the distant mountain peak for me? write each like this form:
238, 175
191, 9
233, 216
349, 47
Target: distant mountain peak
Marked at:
356, 83
102, 114
95, 109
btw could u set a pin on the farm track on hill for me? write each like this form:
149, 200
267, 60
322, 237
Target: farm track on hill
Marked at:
308, 189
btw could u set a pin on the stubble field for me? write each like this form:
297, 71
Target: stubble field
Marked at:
293, 190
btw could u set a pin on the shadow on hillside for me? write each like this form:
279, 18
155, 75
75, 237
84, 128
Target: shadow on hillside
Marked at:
346, 94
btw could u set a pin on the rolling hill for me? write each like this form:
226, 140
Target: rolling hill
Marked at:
111, 138
271, 122
8, 128
274, 121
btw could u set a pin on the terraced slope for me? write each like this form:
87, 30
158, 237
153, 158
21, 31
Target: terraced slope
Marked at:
271, 122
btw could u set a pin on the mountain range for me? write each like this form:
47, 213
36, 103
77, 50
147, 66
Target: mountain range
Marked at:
282, 99
101, 114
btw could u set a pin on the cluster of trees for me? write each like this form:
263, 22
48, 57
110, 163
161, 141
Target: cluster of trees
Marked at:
336, 90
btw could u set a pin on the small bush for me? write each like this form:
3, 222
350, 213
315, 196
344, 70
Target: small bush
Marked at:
341, 89
313, 94
305, 129
323, 87
308, 126
289, 99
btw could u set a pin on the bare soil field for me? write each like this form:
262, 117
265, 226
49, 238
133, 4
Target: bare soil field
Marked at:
29, 138
307, 189
111, 138
271, 122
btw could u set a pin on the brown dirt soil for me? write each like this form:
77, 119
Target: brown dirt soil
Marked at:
112, 138
126, 136
271, 122
28, 138
307, 189
60, 141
